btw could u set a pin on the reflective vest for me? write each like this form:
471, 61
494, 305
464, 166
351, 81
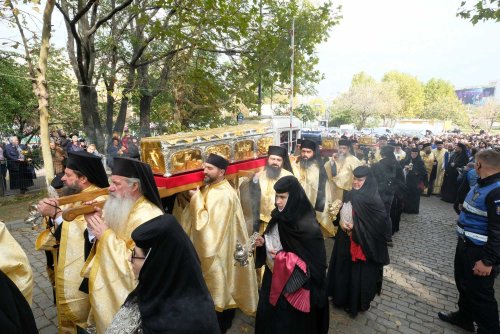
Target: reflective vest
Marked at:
473, 220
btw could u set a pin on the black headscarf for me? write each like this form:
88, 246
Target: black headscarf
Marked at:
460, 159
418, 163
15, 312
133, 168
172, 294
300, 233
388, 161
369, 217
89, 165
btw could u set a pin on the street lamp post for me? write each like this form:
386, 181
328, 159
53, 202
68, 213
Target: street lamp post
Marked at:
291, 88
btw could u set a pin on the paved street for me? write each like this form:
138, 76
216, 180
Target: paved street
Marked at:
417, 284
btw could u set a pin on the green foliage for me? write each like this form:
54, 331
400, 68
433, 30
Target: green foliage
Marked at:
200, 61
340, 116
368, 101
64, 105
361, 103
444, 107
362, 78
410, 90
482, 10
18, 105
442, 103
269, 58
437, 88
305, 113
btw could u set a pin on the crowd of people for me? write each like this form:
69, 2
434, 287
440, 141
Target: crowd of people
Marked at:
133, 267
21, 160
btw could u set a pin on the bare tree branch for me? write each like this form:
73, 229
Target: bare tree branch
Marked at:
83, 11
109, 16
162, 56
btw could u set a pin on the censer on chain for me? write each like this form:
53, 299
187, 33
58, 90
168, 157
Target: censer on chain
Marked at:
34, 218
243, 252
334, 208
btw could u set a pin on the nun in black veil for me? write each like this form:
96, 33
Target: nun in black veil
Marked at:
360, 249
292, 298
171, 296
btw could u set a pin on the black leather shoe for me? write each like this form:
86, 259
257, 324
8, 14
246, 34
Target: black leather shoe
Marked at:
454, 319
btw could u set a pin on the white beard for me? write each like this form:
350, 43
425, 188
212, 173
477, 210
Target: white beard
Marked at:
116, 212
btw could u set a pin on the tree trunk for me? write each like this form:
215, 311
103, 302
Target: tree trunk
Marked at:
87, 103
122, 113
145, 112
145, 102
110, 87
43, 92
110, 103
39, 85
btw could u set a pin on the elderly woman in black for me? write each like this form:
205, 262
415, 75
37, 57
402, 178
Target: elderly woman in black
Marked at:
293, 297
360, 249
416, 180
171, 296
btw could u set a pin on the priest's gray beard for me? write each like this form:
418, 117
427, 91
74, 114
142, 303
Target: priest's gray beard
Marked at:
341, 157
272, 171
306, 163
116, 212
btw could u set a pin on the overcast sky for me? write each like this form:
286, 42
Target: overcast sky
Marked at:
423, 38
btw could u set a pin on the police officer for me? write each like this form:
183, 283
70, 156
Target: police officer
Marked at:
478, 250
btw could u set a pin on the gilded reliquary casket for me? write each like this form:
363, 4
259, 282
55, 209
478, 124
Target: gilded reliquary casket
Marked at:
184, 152
367, 140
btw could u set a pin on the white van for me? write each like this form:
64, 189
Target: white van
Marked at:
282, 127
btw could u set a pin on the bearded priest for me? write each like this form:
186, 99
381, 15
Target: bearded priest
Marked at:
133, 200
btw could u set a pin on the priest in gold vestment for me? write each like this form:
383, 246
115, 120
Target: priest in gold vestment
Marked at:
382, 141
438, 152
430, 166
399, 152
133, 200
339, 170
309, 169
15, 264
262, 190
65, 240
214, 221
262, 186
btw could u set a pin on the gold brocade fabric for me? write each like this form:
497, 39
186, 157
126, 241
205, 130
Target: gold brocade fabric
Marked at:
180, 203
214, 221
110, 273
71, 302
401, 155
428, 162
72, 305
376, 156
343, 181
14, 263
309, 180
267, 198
439, 155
